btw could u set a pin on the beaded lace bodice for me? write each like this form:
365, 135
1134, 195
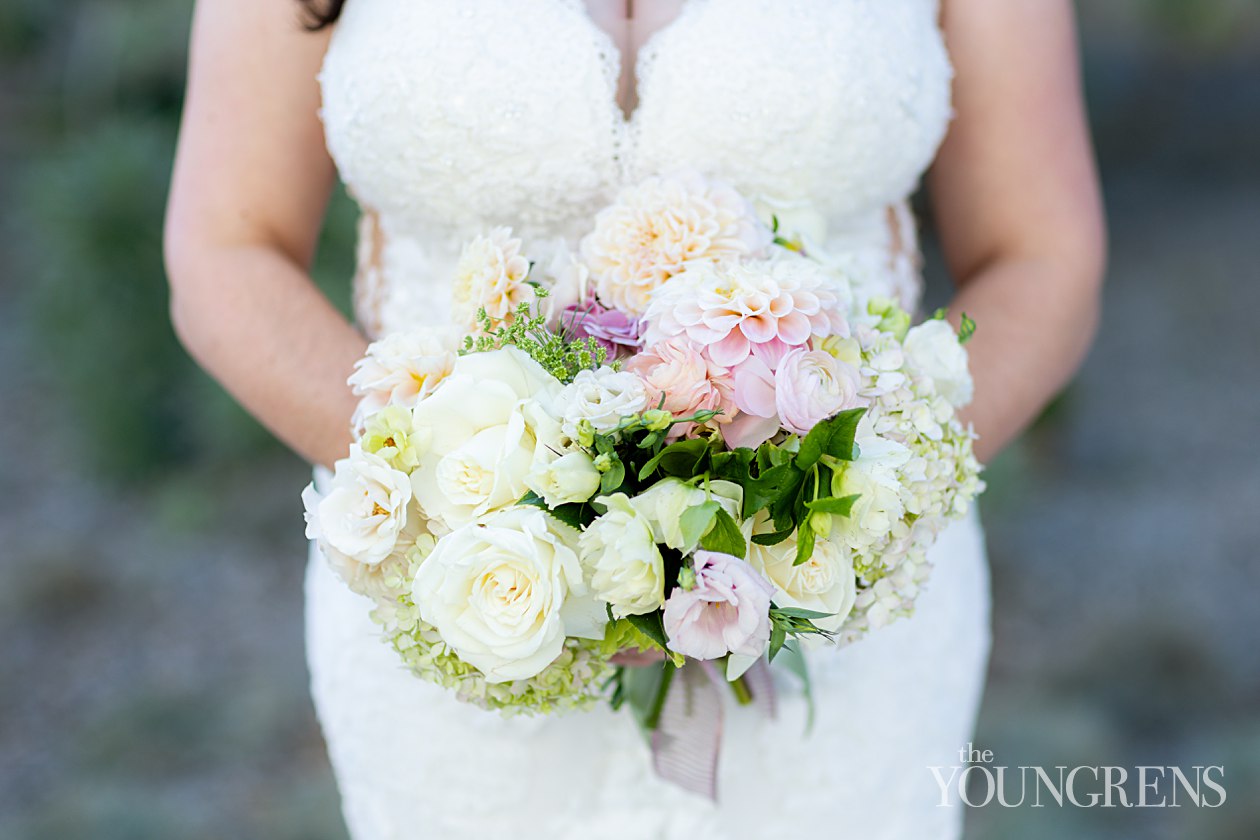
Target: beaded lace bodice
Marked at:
447, 118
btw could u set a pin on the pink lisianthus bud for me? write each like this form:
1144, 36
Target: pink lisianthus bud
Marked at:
727, 610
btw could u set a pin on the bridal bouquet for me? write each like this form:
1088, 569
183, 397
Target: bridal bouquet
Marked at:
686, 436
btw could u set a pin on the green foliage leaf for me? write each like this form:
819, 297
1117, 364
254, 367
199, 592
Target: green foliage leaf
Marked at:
725, 536
840, 506
774, 537
697, 520
833, 436
611, 481
681, 459
804, 543
651, 625
966, 329
794, 661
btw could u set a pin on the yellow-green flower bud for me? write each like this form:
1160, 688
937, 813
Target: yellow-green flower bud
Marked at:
820, 523
585, 433
657, 419
603, 462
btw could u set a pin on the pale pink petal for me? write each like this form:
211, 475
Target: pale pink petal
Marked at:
731, 350
749, 430
794, 328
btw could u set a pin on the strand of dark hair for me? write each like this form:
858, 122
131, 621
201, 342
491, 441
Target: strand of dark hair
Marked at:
316, 14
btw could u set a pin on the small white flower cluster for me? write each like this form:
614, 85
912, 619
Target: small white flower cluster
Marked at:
916, 470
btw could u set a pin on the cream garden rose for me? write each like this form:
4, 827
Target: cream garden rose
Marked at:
620, 554
825, 582
364, 510
403, 368
491, 275
486, 426
505, 594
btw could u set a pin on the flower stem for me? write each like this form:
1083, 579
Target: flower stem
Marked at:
653, 718
742, 695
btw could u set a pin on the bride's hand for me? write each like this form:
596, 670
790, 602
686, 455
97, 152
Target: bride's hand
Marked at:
638, 658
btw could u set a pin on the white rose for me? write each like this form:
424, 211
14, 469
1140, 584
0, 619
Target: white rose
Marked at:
490, 275
825, 582
363, 511
619, 552
570, 478
505, 594
601, 397
403, 368
664, 503
484, 427
933, 349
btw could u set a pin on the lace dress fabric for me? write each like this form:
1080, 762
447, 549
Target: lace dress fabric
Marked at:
447, 118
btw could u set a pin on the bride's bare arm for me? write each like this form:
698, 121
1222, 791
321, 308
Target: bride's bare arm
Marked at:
1017, 203
251, 182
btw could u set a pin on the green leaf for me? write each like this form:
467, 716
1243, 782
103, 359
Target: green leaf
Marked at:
774, 537
966, 329
794, 661
798, 612
778, 637
681, 459
833, 436
830, 504
939, 314
697, 520
576, 515
804, 543
532, 499
725, 537
651, 625
612, 480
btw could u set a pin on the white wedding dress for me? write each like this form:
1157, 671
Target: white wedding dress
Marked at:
447, 117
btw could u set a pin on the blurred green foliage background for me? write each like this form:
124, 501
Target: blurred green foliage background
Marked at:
151, 680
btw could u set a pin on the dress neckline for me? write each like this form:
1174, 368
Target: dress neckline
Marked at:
613, 58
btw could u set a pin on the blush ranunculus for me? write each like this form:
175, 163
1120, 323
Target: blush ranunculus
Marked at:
686, 380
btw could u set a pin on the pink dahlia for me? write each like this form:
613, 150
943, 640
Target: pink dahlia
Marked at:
734, 310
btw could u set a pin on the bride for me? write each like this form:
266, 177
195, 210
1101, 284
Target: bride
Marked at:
447, 117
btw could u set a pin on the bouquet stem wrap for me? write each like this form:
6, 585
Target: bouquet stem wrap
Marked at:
687, 737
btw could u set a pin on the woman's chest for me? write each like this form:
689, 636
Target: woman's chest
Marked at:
463, 113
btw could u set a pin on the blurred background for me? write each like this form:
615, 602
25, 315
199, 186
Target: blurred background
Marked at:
152, 682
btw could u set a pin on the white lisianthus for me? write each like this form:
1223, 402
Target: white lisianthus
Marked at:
664, 503
364, 510
570, 478
619, 552
485, 427
505, 594
933, 350
601, 397
566, 278
491, 275
403, 368
825, 582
